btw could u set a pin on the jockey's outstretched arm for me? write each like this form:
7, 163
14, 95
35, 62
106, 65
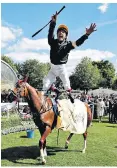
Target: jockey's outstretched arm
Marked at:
81, 40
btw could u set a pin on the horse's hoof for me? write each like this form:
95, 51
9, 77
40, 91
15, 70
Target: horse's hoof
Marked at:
66, 146
44, 162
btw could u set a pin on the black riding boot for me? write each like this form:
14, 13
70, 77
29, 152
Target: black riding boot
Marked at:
58, 93
70, 97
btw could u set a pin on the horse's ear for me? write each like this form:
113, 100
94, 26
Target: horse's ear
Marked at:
18, 83
25, 79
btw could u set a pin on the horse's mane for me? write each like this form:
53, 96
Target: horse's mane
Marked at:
39, 93
34, 92
34, 98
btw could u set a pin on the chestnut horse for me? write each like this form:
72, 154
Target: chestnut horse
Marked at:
43, 115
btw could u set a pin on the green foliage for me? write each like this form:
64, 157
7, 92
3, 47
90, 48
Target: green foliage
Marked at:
15, 120
35, 71
107, 71
18, 66
86, 75
9, 61
33, 68
114, 85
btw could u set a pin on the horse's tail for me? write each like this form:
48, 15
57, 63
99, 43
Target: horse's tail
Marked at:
89, 115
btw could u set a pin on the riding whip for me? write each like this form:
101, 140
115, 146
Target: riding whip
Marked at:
47, 23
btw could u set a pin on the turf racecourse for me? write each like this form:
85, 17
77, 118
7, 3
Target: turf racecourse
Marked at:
18, 150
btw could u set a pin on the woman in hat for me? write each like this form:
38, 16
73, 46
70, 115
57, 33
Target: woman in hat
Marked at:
100, 108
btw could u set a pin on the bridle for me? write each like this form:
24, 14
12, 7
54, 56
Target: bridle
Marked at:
24, 91
21, 89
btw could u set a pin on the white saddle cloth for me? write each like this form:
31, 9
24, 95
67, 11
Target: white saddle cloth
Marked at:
73, 116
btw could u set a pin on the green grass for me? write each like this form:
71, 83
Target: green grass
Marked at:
14, 120
17, 150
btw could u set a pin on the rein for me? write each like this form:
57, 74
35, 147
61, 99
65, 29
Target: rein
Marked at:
43, 106
44, 111
26, 94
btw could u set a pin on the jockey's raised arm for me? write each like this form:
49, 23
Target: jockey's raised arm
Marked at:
51, 29
85, 36
80, 41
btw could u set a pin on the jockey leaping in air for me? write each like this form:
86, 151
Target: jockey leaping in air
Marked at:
59, 52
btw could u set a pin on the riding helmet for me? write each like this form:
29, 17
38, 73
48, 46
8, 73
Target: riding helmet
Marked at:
63, 27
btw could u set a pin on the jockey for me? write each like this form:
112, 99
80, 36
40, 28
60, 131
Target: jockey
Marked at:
59, 52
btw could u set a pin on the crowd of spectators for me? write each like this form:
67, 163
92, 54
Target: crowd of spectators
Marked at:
101, 105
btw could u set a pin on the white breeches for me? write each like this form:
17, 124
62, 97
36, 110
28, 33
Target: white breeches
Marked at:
56, 70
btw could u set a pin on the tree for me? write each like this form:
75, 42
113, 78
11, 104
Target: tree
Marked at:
86, 75
107, 71
9, 61
35, 71
114, 85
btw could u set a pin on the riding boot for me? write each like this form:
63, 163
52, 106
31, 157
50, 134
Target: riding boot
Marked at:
70, 96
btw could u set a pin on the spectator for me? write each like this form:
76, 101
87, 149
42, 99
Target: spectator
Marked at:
100, 109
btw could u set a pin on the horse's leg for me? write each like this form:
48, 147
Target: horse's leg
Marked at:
42, 130
85, 141
68, 140
42, 143
44, 148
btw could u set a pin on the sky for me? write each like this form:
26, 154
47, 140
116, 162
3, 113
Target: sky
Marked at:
19, 21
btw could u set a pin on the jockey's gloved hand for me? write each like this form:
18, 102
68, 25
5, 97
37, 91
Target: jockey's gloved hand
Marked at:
54, 17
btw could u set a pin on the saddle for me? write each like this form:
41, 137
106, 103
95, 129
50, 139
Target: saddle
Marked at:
55, 103
57, 113
57, 109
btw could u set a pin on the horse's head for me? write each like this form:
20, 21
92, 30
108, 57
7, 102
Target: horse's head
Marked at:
21, 88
